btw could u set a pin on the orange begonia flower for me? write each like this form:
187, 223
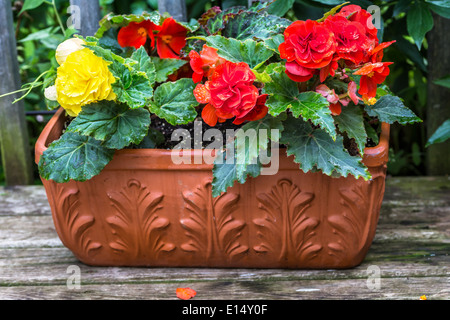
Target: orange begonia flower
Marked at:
203, 64
185, 293
136, 34
372, 74
170, 39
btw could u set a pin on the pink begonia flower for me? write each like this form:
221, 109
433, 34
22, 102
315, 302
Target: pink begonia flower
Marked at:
352, 88
329, 94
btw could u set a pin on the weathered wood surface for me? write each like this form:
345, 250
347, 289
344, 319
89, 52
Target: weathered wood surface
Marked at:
411, 248
14, 144
84, 16
176, 8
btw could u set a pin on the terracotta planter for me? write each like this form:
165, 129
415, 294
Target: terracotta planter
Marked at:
143, 210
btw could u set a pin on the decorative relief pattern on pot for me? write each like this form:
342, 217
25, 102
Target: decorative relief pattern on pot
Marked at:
212, 229
285, 229
351, 226
73, 225
136, 225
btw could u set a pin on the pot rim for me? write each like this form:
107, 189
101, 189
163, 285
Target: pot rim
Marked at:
373, 156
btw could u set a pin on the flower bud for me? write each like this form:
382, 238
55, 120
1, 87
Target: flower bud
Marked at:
67, 47
50, 93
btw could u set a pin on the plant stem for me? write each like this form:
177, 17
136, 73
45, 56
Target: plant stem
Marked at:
32, 85
315, 83
58, 18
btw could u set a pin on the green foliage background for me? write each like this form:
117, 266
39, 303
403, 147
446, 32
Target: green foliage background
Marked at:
38, 33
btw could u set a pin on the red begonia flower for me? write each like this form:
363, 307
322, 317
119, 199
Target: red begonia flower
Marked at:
136, 34
170, 39
201, 93
351, 39
309, 43
229, 93
298, 73
209, 115
258, 112
371, 75
330, 69
232, 90
203, 64
355, 13
377, 52
335, 108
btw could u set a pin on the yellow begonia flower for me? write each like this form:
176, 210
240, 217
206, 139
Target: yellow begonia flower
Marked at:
82, 79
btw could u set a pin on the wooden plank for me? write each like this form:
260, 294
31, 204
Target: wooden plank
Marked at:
37, 265
392, 288
14, 141
410, 248
176, 8
85, 15
24, 200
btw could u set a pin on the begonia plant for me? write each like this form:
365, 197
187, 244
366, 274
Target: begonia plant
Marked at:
318, 85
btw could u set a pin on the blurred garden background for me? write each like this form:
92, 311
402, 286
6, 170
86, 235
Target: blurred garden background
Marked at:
420, 74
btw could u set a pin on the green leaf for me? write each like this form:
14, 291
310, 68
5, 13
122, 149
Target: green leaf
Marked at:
401, 6
351, 121
165, 67
416, 154
225, 172
442, 11
314, 149
419, 21
391, 109
117, 21
263, 72
31, 4
445, 81
74, 157
411, 51
249, 51
134, 78
371, 132
133, 88
115, 124
439, 3
144, 64
39, 35
214, 20
440, 135
274, 42
280, 7
309, 105
252, 139
328, 2
175, 102
152, 140
253, 25
332, 11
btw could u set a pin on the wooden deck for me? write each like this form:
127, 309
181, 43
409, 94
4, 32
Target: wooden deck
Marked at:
411, 251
